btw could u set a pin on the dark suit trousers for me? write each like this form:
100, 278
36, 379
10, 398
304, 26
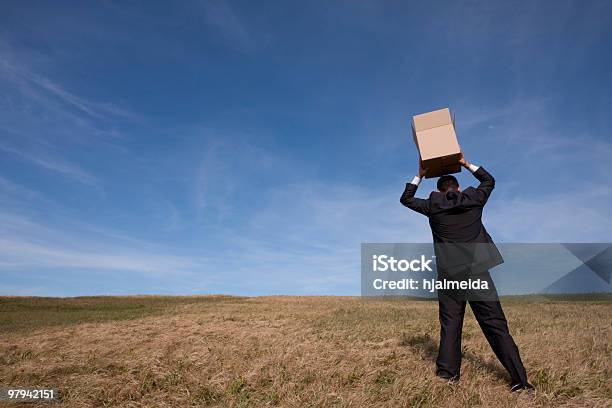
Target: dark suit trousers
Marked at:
492, 321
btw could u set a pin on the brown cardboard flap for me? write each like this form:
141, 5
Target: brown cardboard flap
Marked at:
433, 119
414, 137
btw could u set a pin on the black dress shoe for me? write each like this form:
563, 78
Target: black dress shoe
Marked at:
448, 377
521, 387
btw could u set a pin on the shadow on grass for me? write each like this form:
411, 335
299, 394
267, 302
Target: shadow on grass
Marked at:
429, 349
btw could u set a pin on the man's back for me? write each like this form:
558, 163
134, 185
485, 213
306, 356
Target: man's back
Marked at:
455, 216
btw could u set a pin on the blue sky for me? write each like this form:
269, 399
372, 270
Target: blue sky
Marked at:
250, 147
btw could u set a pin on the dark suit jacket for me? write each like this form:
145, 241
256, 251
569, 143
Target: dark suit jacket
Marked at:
456, 218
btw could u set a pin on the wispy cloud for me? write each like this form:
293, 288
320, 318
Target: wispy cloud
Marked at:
94, 109
10, 188
42, 120
18, 253
220, 16
28, 243
232, 165
553, 216
55, 164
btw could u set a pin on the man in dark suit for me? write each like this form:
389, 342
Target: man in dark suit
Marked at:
462, 243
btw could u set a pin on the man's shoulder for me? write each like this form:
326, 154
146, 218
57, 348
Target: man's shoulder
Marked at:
469, 191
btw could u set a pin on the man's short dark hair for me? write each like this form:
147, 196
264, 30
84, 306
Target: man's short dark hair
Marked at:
446, 183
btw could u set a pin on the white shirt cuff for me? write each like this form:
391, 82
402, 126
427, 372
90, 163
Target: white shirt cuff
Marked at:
416, 180
473, 168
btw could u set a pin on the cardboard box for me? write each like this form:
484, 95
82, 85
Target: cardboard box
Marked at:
435, 138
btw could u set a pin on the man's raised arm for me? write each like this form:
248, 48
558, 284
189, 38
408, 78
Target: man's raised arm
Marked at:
487, 182
408, 199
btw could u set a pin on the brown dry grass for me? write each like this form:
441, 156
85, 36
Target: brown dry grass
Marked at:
305, 352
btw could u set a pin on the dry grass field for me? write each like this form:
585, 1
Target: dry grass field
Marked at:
295, 352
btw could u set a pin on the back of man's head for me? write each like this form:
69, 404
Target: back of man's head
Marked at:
447, 183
